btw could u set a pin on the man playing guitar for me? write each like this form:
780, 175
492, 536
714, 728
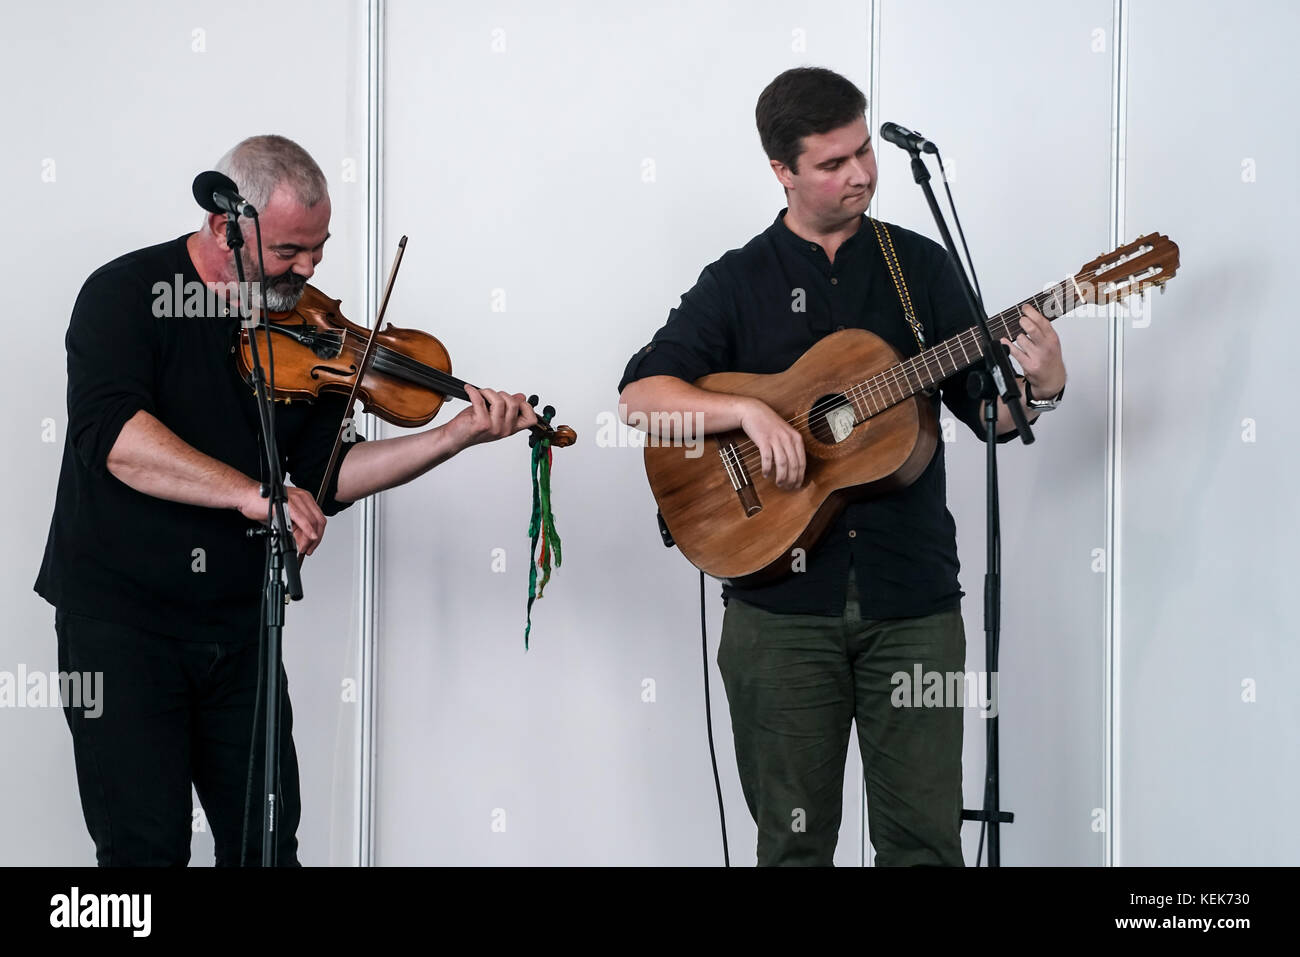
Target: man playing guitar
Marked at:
804, 656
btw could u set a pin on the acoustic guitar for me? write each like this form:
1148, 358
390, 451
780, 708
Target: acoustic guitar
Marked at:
866, 425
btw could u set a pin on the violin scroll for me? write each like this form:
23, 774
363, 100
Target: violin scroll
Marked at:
560, 436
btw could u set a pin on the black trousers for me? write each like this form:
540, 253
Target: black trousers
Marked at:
175, 713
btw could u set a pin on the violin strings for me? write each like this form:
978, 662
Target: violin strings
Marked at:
431, 377
414, 370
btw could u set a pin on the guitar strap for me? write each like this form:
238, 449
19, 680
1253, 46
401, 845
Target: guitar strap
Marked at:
900, 284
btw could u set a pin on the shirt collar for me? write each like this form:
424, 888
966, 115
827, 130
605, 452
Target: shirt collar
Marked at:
806, 246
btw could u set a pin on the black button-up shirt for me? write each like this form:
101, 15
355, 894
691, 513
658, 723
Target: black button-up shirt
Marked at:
126, 557
744, 315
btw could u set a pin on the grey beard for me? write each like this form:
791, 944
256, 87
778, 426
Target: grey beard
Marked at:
282, 300
282, 292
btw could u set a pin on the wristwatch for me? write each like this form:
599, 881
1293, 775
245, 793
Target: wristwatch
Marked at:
1041, 405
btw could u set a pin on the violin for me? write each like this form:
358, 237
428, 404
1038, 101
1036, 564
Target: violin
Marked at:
403, 376
318, 349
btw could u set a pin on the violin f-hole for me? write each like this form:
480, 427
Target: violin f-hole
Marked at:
344, 373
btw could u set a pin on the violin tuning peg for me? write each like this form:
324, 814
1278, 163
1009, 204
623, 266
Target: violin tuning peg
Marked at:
532, 400
548, 411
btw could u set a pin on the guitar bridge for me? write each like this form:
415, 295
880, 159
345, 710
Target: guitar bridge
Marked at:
734, 462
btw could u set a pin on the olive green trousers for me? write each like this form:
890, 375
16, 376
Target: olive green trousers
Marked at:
796, 682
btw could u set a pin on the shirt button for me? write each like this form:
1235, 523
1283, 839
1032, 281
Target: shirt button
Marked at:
812, 246
839, 328
834, 281
852, 533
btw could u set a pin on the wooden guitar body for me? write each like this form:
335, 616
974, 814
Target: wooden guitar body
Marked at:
867, 423
747, 534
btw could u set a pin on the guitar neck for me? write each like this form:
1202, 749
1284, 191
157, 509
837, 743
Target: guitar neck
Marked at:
931, 366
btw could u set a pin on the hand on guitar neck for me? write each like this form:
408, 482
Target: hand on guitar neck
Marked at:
1037, 350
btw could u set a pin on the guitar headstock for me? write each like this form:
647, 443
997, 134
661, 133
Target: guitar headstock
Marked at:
1151, 260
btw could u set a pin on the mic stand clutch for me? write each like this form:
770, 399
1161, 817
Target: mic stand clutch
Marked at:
997, 378
279, 541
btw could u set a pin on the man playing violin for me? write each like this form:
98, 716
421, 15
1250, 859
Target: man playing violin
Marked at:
155, 582
805, 657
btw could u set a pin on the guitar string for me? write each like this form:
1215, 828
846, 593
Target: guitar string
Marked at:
880, 388
883, 384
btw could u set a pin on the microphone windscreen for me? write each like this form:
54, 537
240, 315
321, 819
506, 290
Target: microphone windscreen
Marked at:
205, 184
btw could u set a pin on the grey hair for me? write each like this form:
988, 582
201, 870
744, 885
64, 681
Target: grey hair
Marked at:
261, 163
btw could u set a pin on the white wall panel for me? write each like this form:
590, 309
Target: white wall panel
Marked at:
1018, 99
1208, 776
115, 107
522, 170
564, 171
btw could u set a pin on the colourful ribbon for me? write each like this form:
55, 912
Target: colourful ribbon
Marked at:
541, 527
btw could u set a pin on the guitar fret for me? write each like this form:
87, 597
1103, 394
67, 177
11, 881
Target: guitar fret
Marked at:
939, 375
941, 361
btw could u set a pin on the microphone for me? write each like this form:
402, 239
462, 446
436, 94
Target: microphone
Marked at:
217, 193
908, 140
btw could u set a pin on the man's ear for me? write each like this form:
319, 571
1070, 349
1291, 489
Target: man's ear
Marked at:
783, 174
217, 226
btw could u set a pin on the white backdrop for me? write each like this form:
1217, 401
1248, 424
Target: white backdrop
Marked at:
564, 171
101, 152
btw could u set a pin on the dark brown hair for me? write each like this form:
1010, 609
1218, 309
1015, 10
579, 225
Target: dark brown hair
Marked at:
803, 102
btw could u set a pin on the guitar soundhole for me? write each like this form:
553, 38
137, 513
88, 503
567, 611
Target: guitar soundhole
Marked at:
832, 418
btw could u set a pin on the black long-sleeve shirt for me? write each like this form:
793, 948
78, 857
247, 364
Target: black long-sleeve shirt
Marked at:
119, 555
741, 317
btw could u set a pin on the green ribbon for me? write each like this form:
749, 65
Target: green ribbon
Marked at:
541, 527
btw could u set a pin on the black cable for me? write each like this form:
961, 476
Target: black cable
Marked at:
293, 557
961, 233
265, 322
257, 709
266, 325
708, 719
991, 667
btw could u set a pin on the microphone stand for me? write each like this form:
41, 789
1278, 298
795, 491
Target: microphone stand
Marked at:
996, 379
279, 542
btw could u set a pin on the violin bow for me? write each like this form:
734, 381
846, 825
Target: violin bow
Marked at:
361, 373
